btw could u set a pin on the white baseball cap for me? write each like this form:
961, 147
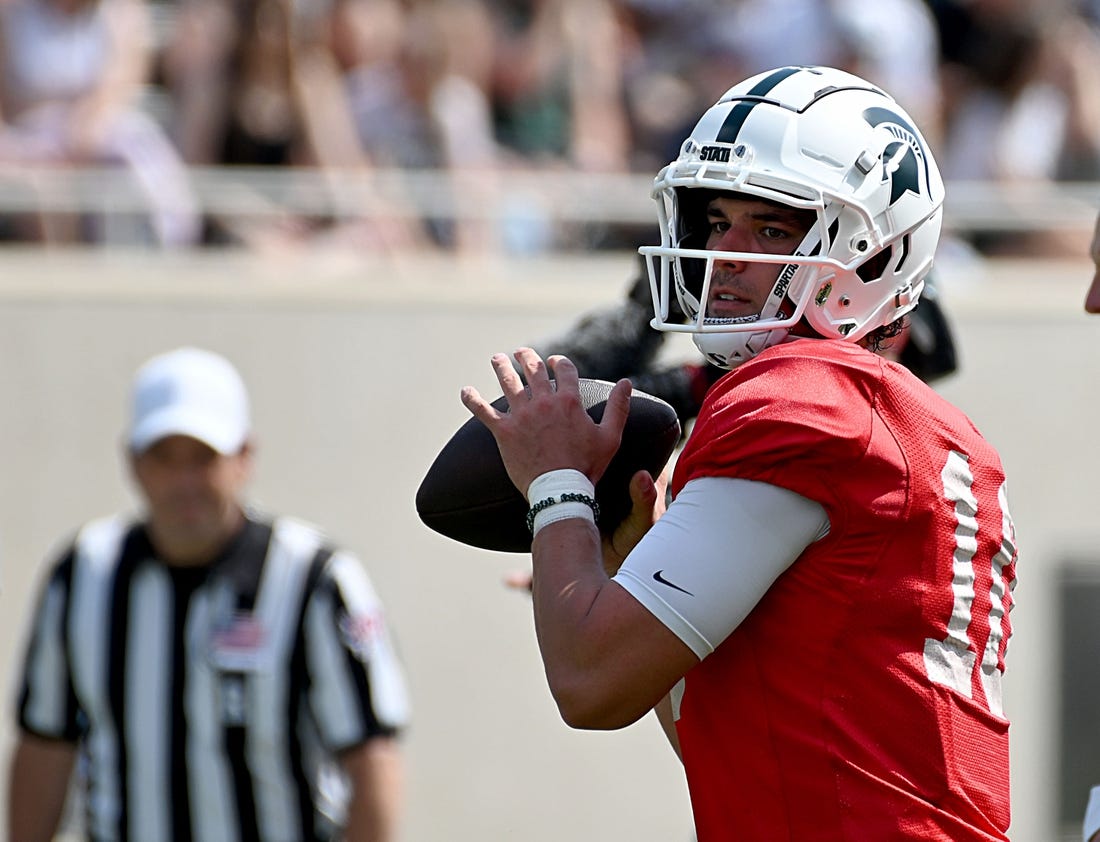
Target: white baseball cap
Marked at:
189, 392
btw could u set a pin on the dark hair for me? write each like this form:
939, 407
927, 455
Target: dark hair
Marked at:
877, 340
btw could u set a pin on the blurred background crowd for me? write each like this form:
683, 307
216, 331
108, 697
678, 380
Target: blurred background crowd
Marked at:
449, 124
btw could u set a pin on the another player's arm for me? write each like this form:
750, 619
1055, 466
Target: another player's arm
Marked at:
375, 775
357, 697
47, 744
38, 781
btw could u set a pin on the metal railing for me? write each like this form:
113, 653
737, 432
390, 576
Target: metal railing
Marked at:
554, 196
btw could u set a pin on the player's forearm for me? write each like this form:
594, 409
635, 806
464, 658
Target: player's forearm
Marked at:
375, 771
592, 670
37, 785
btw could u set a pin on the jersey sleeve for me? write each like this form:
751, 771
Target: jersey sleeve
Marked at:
357, 685
47, 705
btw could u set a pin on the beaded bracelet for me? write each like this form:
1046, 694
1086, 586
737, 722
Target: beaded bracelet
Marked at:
566, 497
560, 494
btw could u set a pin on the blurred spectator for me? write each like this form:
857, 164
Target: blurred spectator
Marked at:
478, 88
895, 44
557, 82
347, 86
557, 94
229, 69
685, 54
420, 104
71, 75
1020, 101
227, 65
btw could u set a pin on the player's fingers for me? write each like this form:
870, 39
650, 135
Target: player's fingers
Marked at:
480, 408
565, 373
510, 382
643, 491
534, 369
617, 408
645, 508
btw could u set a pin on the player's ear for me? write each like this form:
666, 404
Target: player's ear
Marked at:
246, 458
129, 457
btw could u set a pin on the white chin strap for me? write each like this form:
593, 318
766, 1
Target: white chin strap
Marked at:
729, 350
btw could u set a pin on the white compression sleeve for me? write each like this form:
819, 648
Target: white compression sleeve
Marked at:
712, 556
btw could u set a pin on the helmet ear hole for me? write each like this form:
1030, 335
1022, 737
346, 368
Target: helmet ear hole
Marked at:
873, 268
876, 267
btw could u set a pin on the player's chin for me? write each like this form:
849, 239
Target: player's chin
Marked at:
191, 520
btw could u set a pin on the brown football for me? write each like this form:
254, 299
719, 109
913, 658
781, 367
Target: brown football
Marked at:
467, 495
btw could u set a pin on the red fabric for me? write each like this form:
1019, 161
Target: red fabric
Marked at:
818, 717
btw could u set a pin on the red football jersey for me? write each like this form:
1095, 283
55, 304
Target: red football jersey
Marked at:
860, 699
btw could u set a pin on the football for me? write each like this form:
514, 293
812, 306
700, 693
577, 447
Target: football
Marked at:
466, 494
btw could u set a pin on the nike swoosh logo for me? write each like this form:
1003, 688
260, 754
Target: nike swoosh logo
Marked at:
657, 577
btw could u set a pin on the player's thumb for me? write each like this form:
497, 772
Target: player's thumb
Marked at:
643, 500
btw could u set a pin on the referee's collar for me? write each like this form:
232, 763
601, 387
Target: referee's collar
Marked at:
239, 561
242, 558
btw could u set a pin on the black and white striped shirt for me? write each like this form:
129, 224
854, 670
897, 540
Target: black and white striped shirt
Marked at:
211, 704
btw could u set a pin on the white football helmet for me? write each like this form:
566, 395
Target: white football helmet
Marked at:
813, 138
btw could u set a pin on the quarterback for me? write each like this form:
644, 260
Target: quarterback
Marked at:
822, 613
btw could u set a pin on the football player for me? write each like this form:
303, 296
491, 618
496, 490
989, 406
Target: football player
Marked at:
822, 612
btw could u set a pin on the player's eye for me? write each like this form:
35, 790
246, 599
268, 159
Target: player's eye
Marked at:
718, 224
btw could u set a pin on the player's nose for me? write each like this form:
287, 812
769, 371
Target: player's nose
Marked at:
733, 239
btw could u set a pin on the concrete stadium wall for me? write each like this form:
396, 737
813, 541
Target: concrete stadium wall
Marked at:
355, 369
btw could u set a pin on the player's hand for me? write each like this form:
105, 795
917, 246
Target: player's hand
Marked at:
546, 426
648, 504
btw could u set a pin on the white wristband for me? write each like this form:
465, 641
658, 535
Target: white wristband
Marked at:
554, 483
560, 495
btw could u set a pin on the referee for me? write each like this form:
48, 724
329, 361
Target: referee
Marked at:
210, 673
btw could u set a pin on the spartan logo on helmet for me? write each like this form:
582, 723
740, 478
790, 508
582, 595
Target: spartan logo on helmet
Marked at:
903, 159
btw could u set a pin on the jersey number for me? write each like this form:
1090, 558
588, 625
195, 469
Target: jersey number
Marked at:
951, 661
